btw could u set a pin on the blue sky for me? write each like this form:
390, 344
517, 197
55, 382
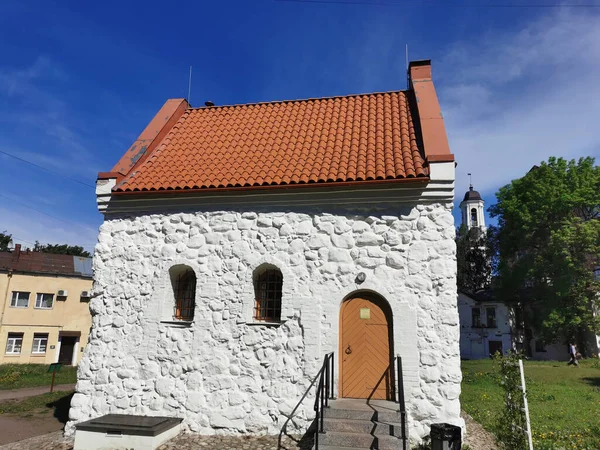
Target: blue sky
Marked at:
80, 80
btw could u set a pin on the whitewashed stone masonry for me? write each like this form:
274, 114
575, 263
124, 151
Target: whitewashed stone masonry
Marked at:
226, 374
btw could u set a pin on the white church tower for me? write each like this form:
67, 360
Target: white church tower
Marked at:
472, 209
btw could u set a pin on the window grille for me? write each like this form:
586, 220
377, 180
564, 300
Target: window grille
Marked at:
185, 295
267, 291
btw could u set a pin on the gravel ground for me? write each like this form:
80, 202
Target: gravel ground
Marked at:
190, 442
477, 439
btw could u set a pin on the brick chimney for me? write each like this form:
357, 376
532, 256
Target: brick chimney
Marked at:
17, 252
435, 141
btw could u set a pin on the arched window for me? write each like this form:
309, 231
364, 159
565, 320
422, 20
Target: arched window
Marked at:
473, 217
268, 283
183, 280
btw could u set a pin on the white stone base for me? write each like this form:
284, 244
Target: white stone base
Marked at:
92, 440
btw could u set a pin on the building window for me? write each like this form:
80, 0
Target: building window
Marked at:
40, 342
44, 301
20, 300
473, 217
268, 285
597, 273
14, 343
540, 346
475, 317
491, 317
183, 280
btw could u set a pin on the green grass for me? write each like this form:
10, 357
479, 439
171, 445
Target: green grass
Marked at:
15, 376
564, 402
58, 401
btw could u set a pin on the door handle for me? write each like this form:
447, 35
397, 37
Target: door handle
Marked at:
348, 350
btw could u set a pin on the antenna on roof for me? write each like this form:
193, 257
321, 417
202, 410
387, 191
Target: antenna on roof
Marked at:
407, 75
470, 182
190, 88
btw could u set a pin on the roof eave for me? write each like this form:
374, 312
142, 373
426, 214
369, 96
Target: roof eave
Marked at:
365, 183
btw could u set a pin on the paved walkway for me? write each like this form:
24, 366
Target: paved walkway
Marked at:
30, 392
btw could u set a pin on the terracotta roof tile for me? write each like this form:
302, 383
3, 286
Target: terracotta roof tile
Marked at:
329, 140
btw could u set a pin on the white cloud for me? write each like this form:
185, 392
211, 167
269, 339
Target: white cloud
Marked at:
515, 98
28, 226
34, 104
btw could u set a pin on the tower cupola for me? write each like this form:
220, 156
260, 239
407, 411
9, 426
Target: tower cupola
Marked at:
472, 208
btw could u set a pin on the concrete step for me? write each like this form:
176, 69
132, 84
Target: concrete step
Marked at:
363, 426
335, 447
358, 409
359, 440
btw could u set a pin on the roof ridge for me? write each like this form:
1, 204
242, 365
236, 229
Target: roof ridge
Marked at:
298, 100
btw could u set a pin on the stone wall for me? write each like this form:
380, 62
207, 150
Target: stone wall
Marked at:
225, 373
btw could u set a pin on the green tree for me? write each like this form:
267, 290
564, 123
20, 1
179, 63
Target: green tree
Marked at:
548, 244
474, 265
5, 240
61, 249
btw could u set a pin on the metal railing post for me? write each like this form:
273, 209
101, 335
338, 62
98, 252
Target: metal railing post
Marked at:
332, 375
326, 381
401, 402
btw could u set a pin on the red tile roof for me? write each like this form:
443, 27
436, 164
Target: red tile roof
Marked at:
327, 140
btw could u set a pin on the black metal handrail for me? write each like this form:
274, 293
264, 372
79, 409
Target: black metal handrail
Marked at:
325, 373
400, 400
323, 394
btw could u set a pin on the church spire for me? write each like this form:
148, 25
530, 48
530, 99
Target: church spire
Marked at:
472, 208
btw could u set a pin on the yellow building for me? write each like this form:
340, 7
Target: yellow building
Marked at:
44, 307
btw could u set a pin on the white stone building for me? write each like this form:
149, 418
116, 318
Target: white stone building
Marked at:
236, 237
486, 326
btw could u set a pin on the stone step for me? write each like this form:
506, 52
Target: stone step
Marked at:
347, 410
363, 426
335, 447
360, 440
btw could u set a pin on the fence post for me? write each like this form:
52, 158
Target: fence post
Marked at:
526, 406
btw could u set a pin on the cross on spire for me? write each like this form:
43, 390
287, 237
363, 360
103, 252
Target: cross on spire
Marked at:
470, 182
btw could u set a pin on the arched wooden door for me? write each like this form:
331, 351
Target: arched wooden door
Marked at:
365, 350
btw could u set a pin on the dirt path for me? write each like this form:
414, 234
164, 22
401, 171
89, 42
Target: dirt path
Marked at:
14, 429
30, 392
477, 437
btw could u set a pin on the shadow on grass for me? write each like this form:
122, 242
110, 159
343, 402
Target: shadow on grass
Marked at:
592, 381
61, 408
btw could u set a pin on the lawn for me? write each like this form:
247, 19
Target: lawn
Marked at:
15, 376
564, 401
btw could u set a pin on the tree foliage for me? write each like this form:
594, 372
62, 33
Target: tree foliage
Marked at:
473, 260
548, 243
61, 249
5, 240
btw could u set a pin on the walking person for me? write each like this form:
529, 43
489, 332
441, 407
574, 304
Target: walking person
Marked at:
573, 354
